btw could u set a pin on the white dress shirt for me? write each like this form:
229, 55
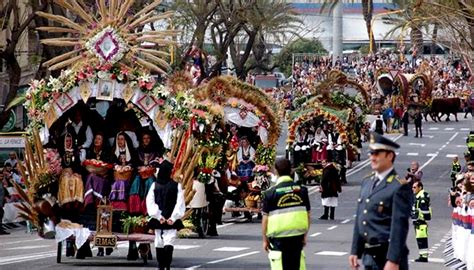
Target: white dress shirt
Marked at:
154, 210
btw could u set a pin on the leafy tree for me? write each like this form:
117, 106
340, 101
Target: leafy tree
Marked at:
228, 24
302, 45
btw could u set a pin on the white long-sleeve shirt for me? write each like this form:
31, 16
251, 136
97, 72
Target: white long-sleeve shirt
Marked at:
154, 210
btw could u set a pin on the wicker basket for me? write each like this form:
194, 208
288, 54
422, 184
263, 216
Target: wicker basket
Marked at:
97, 170
123, 175
146, 173
250, 203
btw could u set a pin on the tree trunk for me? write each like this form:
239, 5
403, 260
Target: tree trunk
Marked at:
367, 11
434, 38
416, 37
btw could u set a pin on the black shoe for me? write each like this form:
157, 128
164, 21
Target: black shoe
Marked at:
422, 259
2, 232
109, 251
323, 217
100, 253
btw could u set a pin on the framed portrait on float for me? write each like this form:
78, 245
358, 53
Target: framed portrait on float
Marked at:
106, 90
64, 102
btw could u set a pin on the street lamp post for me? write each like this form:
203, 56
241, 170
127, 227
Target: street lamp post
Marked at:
371, 34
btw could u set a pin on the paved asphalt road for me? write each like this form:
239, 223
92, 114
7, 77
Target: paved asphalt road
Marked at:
239, 244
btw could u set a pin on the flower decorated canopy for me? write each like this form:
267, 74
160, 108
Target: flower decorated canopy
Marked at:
109, 36
250, 101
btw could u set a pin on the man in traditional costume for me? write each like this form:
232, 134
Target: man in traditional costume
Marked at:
165, 204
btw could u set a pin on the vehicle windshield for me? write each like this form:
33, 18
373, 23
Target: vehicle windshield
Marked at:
265, 83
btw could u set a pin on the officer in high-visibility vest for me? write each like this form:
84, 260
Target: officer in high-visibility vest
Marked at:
421, 213
286, 219
455, 169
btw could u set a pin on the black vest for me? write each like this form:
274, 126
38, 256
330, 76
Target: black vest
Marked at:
166, 196
379, 126
80, 137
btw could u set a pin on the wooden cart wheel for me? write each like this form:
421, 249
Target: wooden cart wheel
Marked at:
60, 250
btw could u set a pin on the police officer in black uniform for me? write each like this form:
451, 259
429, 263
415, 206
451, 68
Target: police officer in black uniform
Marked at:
383, 212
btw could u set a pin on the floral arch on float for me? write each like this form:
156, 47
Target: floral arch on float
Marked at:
113, 60
339, 101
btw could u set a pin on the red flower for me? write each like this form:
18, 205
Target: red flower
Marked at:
149, 85
160, 102
106, 67
113, 76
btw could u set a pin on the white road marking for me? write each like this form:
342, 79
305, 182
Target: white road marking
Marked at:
454, 136
418, 144
464, 129
225, 259
429, 161
412, 154
431, 155
24, 258
429, 136
433, 128
367, 162
231, 249
437, 245
185, 247
331, 253
436, 260
451, 155
345, 221
224, 225
460, 146
17, 242
448, 128
28, 247
315, 234
332, 228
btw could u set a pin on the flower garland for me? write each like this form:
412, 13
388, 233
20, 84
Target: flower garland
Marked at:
338, 124
265, 155
42, 94
206, 166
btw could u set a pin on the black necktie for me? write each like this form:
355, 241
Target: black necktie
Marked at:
376, 181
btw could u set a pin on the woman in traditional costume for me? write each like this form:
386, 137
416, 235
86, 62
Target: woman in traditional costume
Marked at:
165, 204
245, 157
70, 155
148, 157
320, 142
123, 160
97, 189
97, 186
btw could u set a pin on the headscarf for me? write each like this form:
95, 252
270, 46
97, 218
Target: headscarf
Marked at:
164, 172
128, 156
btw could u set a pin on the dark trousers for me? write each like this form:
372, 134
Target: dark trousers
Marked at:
378, 261
405, 129
418, 130
290, 248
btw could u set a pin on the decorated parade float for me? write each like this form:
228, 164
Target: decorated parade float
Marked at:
403, 89
252, 119
93, 187
327, 125
113, 92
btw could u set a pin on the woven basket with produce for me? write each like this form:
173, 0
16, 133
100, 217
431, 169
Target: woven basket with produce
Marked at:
252, 200
146, 171
122, 173
96, 166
